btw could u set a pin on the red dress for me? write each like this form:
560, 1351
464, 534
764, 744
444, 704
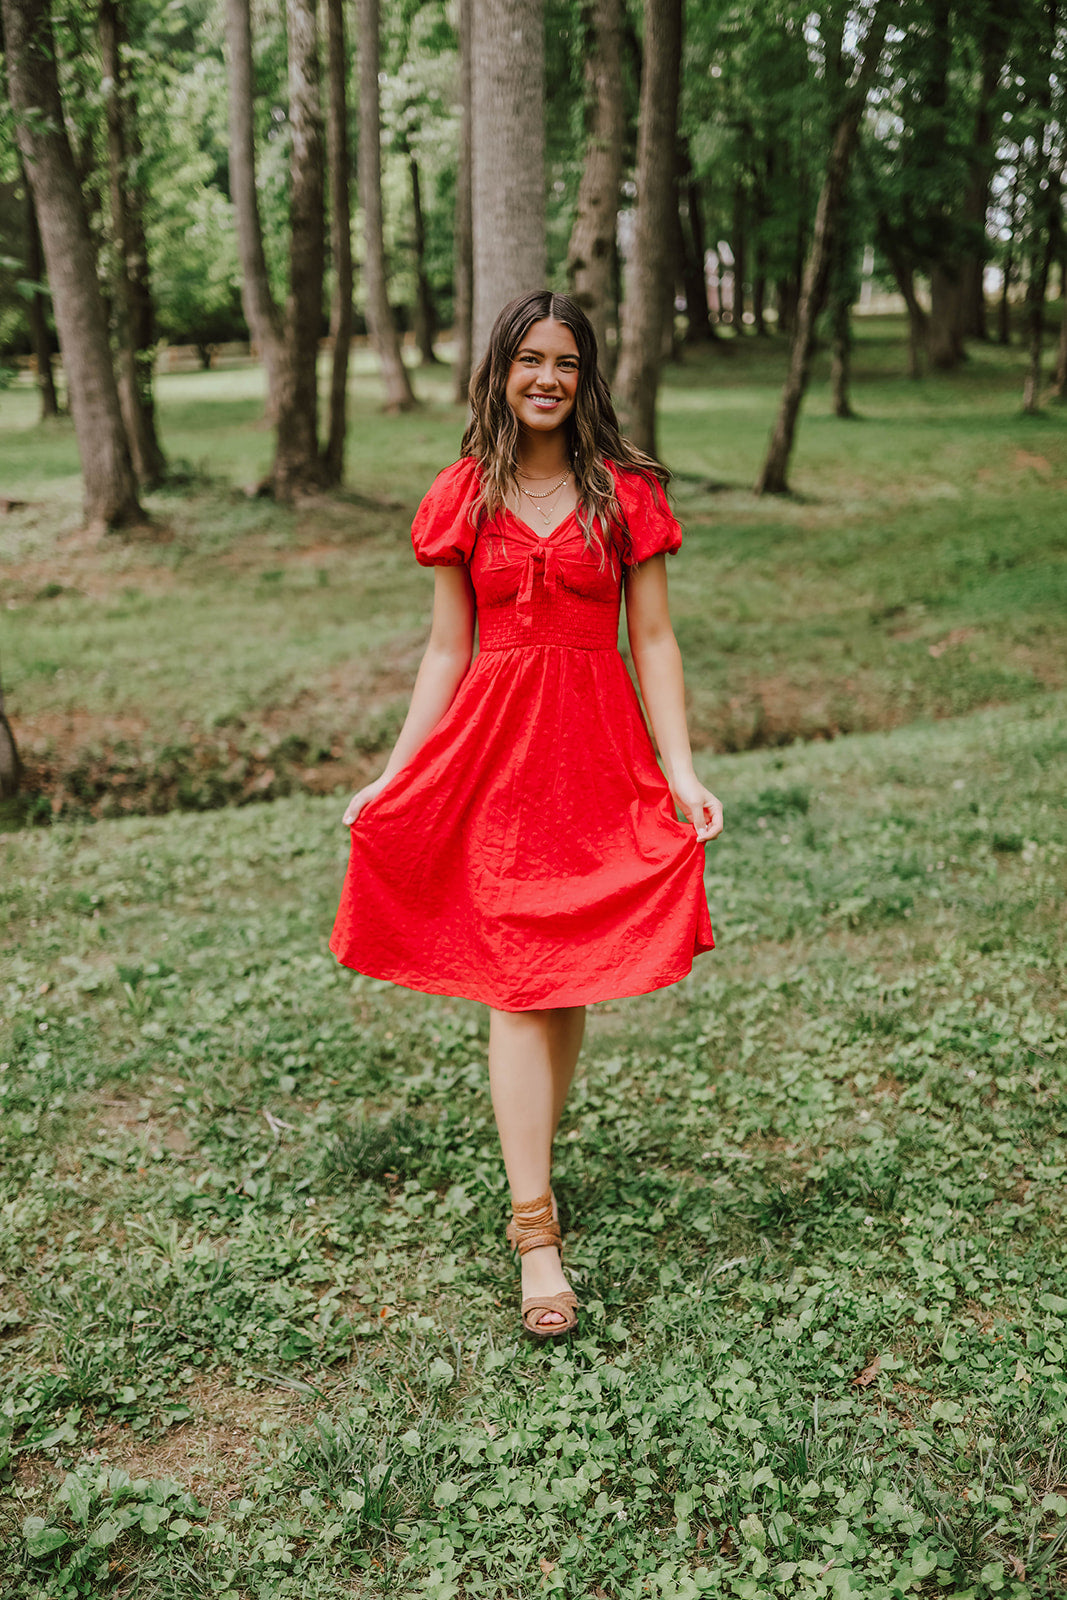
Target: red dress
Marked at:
529, 855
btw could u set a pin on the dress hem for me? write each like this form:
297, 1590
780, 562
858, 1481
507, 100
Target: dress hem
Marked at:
597, 996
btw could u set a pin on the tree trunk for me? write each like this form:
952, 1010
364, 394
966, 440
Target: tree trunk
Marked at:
694, 250
37, 313
261, 313
1045, 222
945, 326
739, 246
903, 271
591, 249
338, 168
1059, 381
425, 315
1036, 289
296, 450
508, 147
110, 485
786, 299
399, 395
995, 40
463, 250
637, 380
10, 764
842, 286
131, 294
774, 477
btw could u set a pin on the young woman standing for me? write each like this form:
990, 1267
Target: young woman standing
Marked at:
522, 846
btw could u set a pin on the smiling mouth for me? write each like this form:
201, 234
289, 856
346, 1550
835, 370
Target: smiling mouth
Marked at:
544, 401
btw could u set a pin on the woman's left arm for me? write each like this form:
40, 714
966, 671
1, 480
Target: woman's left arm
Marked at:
658, 663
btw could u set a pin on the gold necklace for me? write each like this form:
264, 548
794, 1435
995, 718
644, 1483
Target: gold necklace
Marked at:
545, 514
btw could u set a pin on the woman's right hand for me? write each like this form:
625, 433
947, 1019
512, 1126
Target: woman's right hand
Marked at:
361, 798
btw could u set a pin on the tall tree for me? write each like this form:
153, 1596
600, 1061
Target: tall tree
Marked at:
289, 343
261, 313
338, 167
38, 318
508, 161
463, 237
131, 291
425, 315
591, 251
651, 267
399, 395
1044, 197
774, 475
107, 470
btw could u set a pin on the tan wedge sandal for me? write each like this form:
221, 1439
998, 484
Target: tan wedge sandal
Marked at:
533, 1226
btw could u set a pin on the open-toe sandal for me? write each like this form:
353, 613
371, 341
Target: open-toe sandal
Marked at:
532, 1227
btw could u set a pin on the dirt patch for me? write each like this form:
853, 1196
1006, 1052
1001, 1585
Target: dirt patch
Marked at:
88, 564
211, 1454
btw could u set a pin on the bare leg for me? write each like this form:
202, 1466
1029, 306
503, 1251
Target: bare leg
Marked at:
532, 1057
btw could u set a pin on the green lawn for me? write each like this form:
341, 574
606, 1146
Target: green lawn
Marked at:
258, 1323
814, 1199
244, 651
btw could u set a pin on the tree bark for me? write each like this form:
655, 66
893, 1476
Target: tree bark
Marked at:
591, 249
463, 273
903, 271
399, 395
338, 168
10, 763
774, 477
425, 315
296, 452
695, 283
1045, 222
1036, 289
110, 486
1059, 380
508, 150
995, 40
842, 285
637, 380
739, 246
261, 313
944, 341
40, 337
131, 292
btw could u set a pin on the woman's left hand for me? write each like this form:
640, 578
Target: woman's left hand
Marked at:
700, 807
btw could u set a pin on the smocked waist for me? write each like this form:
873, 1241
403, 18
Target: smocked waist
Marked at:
580, 625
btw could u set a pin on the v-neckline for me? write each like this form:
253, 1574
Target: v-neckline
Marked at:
542, 538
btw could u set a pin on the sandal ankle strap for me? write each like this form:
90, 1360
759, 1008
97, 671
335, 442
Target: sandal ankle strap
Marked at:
532, 1225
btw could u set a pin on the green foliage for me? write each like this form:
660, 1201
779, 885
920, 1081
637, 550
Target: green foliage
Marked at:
813, 1200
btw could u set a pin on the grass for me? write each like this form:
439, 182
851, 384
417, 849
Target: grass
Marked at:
245, 651
257, 1320
260, 1326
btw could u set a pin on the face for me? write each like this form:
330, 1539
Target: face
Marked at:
543, 378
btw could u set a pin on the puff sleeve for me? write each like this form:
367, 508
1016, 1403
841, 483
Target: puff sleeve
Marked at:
652, 526
443, 531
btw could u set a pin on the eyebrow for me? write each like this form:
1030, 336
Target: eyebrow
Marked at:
529, 350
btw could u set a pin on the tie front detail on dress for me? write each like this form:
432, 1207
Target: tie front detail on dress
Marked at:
530, 855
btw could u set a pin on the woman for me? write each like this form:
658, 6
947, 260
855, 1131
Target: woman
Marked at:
522, 846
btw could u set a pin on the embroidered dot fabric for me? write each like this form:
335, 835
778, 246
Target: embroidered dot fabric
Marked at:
530, 855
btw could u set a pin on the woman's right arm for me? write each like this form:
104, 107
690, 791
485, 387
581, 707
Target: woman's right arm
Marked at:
444, 665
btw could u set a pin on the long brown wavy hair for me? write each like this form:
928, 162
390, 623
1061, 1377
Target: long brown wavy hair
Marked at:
593, 436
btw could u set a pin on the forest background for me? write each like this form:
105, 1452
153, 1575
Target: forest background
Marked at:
255, 1317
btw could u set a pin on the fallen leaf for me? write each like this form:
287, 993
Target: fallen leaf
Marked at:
864, 1379
1017, 1566
1022, 1376
387, 1311
546, 1566
702, 1538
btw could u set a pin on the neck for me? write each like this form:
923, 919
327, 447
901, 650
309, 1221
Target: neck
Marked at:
543, 455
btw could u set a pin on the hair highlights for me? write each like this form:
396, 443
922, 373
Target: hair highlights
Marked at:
593, 436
